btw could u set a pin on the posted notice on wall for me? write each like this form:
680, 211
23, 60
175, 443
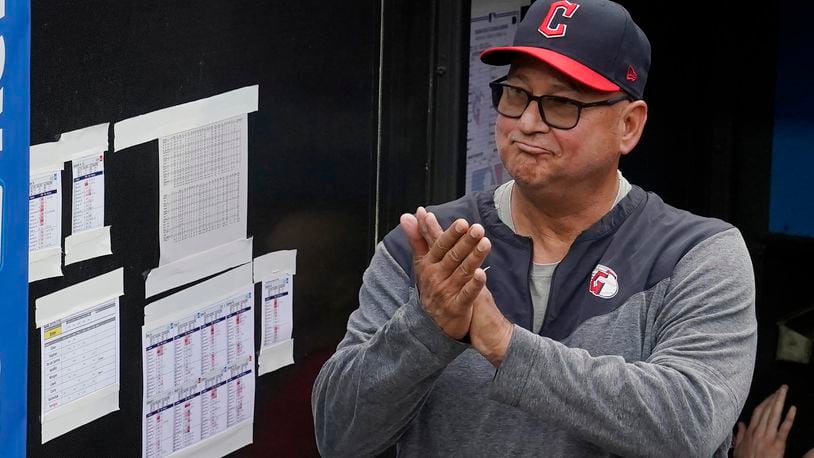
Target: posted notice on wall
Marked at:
45, 211
45, 225
202, 188
276, 272
493, 23
89, 238
198, 360
79, 346
88, 205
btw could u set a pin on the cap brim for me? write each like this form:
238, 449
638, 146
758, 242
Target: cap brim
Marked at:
570, 67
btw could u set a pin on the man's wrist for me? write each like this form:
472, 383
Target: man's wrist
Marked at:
496, 352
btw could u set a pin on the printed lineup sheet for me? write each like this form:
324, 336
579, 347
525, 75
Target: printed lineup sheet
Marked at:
88, 206
276, 272
89, 238
79, 346
493, 23
45, 225
202, 188
45, 211
198, 360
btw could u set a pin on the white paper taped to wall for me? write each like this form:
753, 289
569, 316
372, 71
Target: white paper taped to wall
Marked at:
88, 204
80, 368
89, 238
44, 211
184, 117
77, 143
276, 272
45, 225
79, 335
198, 368
202, 188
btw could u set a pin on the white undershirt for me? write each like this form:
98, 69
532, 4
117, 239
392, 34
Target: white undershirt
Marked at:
540, 281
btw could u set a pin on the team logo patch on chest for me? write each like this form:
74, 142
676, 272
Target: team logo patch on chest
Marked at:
604, 282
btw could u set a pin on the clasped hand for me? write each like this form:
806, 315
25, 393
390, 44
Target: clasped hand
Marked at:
452, 284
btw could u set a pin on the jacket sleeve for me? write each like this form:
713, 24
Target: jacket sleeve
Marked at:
684, 399
372, 387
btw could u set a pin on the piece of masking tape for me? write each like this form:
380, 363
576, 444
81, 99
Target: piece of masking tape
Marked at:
197, 266
48, 157
87, 245
75, 298
181, 118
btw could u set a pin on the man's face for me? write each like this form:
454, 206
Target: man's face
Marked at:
538, 156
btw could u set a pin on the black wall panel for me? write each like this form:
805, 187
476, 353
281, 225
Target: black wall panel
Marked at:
312, 149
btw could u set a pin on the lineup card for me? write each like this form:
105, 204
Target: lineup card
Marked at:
276, 272
198, 375
80, 355
45, 211
277, 309
88, 193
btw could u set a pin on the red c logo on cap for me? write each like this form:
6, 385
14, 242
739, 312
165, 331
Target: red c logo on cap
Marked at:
547, 26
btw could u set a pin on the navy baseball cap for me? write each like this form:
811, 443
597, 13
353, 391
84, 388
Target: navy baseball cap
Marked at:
595, 42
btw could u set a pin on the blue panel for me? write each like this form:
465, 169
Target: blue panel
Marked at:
14, 122
791, 204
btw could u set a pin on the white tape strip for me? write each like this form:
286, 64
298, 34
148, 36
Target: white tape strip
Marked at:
45, 263
87, 245
284, 261
222, 443
276, 356
80, 412
184, 117
80, 296
198, 266
188, 301
47, 157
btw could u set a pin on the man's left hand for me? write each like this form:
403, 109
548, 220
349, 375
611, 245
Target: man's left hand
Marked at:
489, 331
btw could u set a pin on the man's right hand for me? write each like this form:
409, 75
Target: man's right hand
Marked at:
448, 274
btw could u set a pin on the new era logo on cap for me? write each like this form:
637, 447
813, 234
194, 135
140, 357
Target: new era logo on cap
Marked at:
631, 73
595, 42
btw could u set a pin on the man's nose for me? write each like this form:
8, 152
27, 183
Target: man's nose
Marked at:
532, 119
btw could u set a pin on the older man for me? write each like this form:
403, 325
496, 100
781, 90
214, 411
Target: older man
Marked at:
565, 313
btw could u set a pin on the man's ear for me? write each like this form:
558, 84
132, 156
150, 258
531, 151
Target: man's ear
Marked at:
631, 123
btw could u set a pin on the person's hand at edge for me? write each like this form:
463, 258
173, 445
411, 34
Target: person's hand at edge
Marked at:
765, 437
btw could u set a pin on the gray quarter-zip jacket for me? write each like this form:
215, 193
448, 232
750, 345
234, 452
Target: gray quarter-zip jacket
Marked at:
647, 347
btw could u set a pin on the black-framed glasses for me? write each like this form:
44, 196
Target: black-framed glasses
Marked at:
558, 112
